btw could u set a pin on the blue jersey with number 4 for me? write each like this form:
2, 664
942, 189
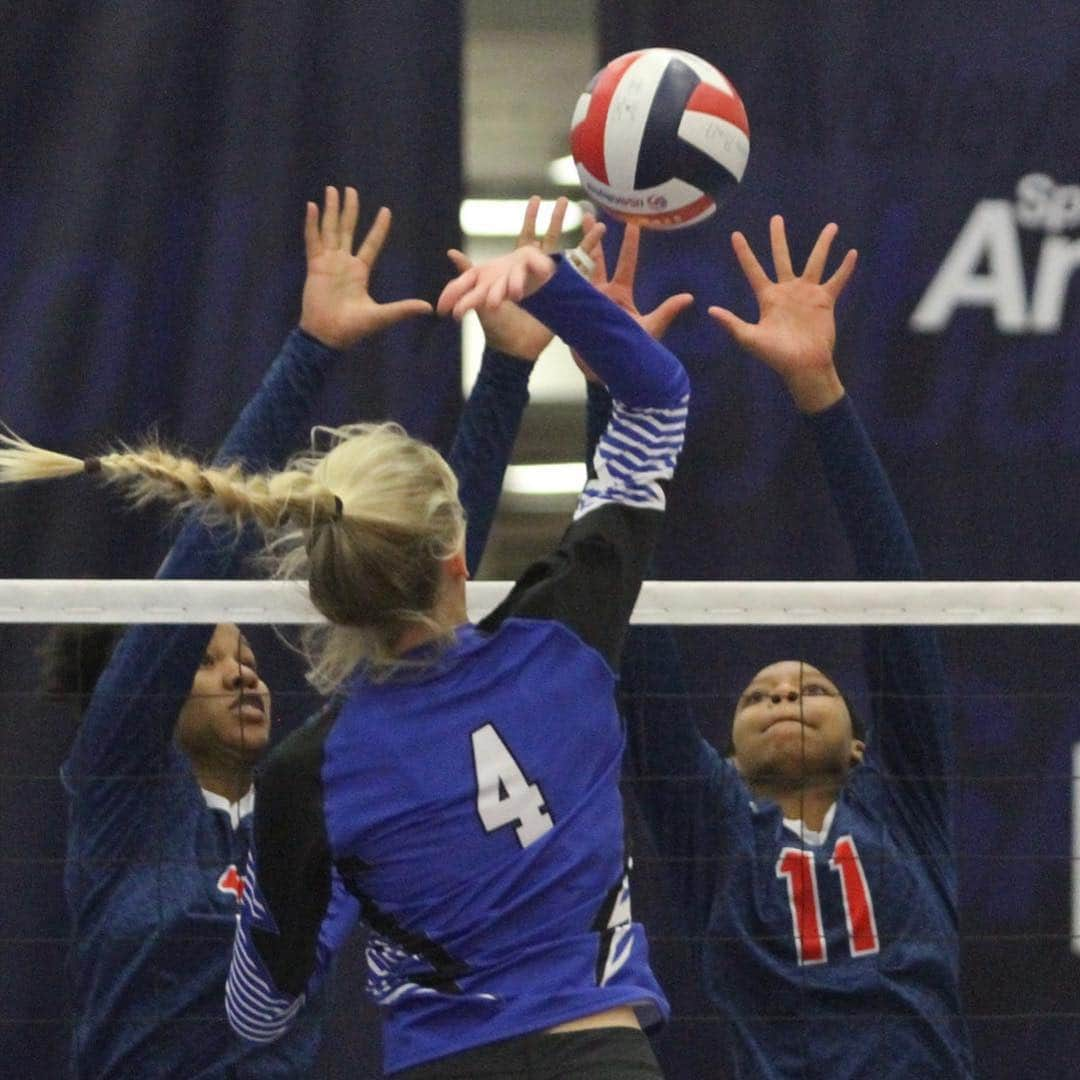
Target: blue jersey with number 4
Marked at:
468, 810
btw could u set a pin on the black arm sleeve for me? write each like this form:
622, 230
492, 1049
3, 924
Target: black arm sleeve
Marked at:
590, 583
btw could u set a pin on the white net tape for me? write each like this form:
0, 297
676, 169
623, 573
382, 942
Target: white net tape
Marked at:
675, 603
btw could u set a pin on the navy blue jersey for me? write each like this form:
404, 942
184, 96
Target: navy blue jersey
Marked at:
154, 865
468, 812
832, 955
153, 872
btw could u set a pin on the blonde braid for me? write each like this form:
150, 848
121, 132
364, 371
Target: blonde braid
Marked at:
21, 461
224, 492
368, 522
150, 473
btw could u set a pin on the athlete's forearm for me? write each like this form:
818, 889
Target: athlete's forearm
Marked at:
484, 442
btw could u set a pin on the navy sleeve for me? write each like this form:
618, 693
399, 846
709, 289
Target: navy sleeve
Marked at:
128, 724
911, 725
484, 442
276, 422
590, 583
686, 791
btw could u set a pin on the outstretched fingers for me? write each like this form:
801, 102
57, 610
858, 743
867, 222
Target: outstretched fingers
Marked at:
510, 277
781, 254
626, 267
552, 240
815, 265
349, 215
330, 218
835, 285
596, 252
660, 319
528, 224
376, 237
740, 330
456, 290
591, 240
399, 310
751, 268
312, 239
461, 261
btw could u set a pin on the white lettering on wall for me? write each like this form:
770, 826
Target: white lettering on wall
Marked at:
984, 268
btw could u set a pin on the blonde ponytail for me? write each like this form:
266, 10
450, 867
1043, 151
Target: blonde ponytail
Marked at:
367, 522
149, 473
373, 571
221, 493
21, 461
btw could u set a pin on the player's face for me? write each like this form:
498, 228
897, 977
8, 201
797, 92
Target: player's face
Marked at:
228, 709
792, 725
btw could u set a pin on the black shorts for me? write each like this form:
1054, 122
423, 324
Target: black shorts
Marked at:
612, 1053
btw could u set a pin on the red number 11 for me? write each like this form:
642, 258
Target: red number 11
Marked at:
797, 866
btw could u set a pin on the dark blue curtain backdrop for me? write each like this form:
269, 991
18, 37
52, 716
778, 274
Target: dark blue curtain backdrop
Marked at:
942, 138
156, 160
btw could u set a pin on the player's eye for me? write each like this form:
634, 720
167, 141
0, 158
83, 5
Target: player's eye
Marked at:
207, 660
817, 689
754, 697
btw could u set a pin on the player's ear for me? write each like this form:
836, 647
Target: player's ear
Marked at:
858, 750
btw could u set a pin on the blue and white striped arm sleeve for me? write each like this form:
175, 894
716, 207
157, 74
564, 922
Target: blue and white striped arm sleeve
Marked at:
648, 384
636, 453
256, 1009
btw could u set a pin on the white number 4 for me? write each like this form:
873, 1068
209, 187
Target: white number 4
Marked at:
503, 794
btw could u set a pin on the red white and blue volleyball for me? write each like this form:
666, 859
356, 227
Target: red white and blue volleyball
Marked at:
660, 138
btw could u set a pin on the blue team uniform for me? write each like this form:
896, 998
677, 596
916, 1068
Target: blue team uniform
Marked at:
469, 813
154, 864
832, 955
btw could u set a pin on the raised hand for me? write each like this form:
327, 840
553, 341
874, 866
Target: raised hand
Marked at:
337, 307
510, 277
619, 288
508, 328
796, 330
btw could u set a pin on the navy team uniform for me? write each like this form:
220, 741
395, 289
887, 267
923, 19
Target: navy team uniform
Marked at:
832, 955
154, 865
469, 812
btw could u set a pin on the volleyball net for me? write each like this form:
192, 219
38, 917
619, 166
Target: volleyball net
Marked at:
665, 603
1012, 652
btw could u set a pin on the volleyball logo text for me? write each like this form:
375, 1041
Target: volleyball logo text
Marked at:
985, 267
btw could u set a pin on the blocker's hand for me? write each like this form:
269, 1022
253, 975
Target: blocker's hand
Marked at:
619, 288
796, 332
337, 308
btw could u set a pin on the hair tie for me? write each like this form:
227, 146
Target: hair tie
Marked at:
92, 465
339, 508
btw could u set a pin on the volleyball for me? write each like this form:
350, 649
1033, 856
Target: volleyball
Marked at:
660, 138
